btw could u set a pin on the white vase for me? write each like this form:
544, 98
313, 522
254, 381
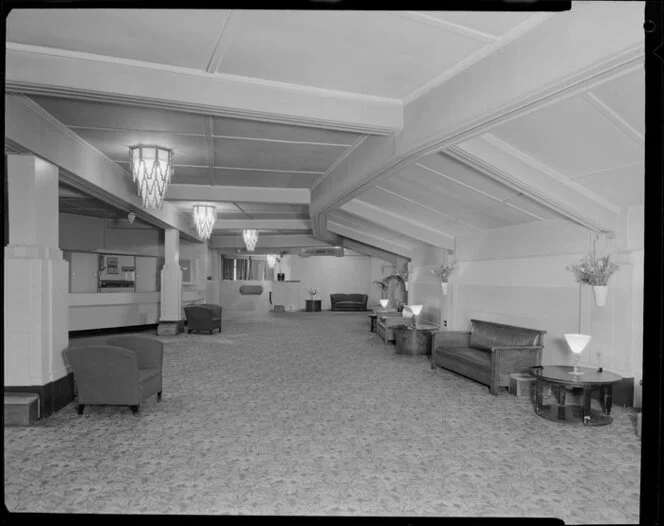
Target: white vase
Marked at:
600, 292
405, 283
444, 287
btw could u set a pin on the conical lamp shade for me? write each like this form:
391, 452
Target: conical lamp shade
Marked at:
577, 342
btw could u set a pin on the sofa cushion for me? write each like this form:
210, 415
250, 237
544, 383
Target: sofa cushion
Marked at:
477, 356
485, 335
146, 374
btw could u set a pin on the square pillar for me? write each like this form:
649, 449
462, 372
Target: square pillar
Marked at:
36, 299
170, 318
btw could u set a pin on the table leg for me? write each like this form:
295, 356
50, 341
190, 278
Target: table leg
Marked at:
586, 406
608, 398
561, 402
539, 396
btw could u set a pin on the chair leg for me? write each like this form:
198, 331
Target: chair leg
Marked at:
134, 409
79, 408
159, 396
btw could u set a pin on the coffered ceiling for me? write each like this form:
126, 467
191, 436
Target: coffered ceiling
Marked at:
391, 130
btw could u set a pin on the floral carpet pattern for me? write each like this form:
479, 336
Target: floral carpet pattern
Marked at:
311, 414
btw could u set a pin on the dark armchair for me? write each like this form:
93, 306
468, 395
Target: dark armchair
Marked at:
203, 317
124, 371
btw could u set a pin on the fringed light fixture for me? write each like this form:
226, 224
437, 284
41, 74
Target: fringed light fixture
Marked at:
152, 169
205, 217
250, 238
271, 260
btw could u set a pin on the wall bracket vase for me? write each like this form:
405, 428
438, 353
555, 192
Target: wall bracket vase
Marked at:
600, 292
444, 286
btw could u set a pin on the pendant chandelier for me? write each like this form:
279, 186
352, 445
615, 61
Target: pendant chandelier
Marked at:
152, 169
205, 217
250, 238
271, 260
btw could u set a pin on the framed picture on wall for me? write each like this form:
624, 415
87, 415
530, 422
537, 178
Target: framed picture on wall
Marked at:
112, 265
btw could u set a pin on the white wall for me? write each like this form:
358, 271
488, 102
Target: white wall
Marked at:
423, 287
331, 274
517, 276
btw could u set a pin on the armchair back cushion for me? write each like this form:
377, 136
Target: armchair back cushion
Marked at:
203, 317
105, 374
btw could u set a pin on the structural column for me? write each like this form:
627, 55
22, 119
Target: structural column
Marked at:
36, 302
170, 319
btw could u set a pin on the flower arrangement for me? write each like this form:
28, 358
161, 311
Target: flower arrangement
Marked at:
401, 275
592, 270
383, 286
312, 291
443, 272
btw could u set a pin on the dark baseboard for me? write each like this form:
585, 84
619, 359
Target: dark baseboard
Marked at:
113, 330
52, 396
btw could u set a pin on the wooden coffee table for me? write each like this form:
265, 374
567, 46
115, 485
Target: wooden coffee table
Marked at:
559, 378
414, 340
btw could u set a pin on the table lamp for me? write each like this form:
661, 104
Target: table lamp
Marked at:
415, 309
577, 343
383, 303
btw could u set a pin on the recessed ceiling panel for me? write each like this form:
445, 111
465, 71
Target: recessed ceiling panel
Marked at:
494, 23
434, 191
458, 228
283, 132
367, 52
572, 137
466, 176
186, 37
626, 96
624, 186
222, 206
106, 115
497, 216
398, 205
187, 149
228, 177
238, 153
530, 205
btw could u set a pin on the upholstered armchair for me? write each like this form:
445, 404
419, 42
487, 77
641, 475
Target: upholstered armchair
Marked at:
203, 317
124, 371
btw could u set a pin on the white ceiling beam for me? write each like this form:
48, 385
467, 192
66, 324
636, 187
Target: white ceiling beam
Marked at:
362, 237
49, 71
245, 194
29, 128
259, 224
369, 250
273, 242
399, 224
564, 55
524, 174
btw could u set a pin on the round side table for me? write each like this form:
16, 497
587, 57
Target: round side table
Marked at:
312, 305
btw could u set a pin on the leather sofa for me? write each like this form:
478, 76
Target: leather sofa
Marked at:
203, 317
125, 370
489, 352
349, 302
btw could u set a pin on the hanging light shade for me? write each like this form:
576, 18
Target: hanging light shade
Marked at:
271, 260
205, 217
250, 238
152, 169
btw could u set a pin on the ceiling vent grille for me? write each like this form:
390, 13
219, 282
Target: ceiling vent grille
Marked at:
322, 251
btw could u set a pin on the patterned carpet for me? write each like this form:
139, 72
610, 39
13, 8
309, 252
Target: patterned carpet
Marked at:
311, 414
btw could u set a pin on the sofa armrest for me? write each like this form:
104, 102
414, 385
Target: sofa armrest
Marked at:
450, 339
149, 352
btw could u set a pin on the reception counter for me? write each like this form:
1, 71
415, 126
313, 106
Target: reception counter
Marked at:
118, 309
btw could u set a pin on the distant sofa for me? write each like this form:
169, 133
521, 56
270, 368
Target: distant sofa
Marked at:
348, 302
125, 370
489, 352
203, 317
